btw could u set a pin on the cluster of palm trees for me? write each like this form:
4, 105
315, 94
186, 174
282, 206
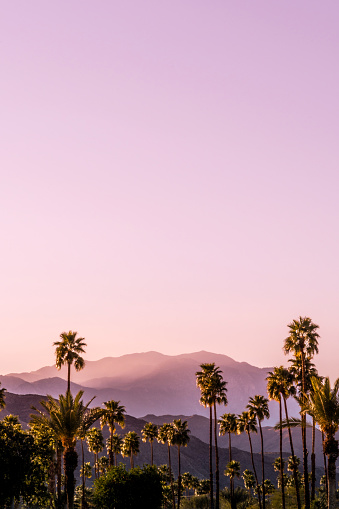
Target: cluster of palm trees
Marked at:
69, 419
315, 397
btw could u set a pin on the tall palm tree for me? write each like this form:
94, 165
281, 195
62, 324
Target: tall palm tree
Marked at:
280, 387
68, 352
65, 419
310, 370
166, 436
258, 407
323, 404
228, 424
247, 423
180, 439
130, 446
95, 442
113, 414
303, 343
213, 393
150, 432
275, 387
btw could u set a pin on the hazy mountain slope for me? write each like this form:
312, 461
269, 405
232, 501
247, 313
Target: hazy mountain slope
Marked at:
151, 382
195, 456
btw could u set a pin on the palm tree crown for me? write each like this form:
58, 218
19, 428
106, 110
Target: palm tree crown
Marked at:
303, 337
68, 352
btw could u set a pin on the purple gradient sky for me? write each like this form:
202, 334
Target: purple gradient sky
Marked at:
169, 177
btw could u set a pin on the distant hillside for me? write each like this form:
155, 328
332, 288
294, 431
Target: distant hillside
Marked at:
150, 383
194, 457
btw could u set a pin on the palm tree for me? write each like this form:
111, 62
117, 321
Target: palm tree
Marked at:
247, 423
113, 414
303, 343
323, 404
228, 424
68, 352
275, 386
130, 446
150, 432
258, 406
114, 444
180, 439
280, 387
86, 471
103, 464
2, 398
213, 392
92, 415
249, 480
232, 471
95, 442
166, 436
65, 419
310, 370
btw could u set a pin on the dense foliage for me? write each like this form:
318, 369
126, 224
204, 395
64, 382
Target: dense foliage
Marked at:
137, 488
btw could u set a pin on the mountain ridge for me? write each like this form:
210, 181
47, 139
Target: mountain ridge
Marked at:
150, 382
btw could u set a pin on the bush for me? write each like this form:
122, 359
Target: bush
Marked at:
137, 488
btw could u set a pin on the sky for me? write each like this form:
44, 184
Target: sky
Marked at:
169, 177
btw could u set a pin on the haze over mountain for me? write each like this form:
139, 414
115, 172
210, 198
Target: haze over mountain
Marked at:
150, 383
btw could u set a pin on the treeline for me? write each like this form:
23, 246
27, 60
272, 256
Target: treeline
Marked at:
37, 467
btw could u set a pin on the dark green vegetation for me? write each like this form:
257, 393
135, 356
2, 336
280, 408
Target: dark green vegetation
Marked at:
40, 464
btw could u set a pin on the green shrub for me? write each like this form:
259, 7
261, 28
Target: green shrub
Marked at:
137, 488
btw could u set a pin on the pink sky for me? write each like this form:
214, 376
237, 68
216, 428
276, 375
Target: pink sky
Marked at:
169, 177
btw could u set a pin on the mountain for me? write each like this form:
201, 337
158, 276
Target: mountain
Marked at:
194, 458
150, 383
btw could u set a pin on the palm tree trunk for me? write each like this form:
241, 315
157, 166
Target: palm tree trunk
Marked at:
217, 480
331, 448
210, 460
132, 460
151, 452
230, 459
313, 461
262, 465
68, 377
295, 474
83, 503
281, 458
303, 430
254, 469
59, 476
170, 474
179, 477
70, 464
325, 463
110, 452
